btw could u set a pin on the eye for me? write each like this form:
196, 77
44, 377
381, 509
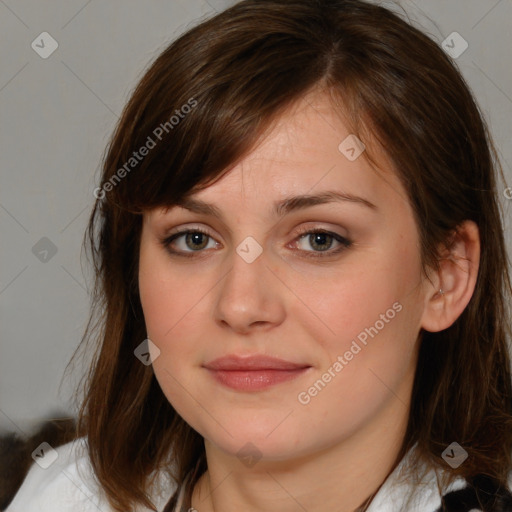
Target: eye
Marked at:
195, 240
321, 241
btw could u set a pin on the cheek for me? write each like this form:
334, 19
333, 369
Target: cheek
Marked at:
168, 306
369, 314
171, 323
341, 305
167, 296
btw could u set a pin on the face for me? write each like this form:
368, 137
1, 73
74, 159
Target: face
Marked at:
271, 333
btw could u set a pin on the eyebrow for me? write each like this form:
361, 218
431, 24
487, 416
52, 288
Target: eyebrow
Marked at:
284, 206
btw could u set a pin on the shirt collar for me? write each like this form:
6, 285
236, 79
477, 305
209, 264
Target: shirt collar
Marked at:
417, 490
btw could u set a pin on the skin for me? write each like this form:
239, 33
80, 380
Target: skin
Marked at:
343, 443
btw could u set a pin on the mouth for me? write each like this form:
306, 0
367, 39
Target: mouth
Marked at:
254, 373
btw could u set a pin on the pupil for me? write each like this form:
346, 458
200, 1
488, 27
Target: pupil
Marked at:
195, 238
322, 237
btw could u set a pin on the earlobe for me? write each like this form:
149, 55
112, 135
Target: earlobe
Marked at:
456, 278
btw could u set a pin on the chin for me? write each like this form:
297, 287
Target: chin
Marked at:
266, 439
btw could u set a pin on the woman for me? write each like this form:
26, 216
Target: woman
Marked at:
302, 280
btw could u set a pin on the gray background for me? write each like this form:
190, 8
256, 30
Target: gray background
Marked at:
56, 117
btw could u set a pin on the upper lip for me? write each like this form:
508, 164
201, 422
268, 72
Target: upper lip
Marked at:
255, 362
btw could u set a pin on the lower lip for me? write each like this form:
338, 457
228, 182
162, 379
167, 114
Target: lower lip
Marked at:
255, 380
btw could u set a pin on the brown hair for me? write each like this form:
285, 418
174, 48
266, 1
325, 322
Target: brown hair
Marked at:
238, 71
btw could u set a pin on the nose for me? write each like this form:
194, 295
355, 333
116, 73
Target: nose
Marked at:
250, 296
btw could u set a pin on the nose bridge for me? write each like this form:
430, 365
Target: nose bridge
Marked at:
246, 294
247, 269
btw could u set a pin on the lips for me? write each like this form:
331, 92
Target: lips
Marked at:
254, 373
237, 363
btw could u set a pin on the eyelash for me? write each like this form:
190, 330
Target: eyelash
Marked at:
345, 242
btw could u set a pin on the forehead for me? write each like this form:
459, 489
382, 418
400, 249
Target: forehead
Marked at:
308, 150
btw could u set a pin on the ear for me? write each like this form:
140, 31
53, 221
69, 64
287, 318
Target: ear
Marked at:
456, 277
